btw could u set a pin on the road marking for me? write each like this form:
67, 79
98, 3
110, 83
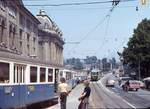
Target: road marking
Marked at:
105, 88
116, 95
129, 103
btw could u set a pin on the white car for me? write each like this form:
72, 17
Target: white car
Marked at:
110, 83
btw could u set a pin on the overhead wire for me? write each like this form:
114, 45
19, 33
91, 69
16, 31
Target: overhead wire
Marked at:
89, 33
106, 31
78, 3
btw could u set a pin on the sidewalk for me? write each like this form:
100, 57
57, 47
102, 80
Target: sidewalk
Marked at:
72, 100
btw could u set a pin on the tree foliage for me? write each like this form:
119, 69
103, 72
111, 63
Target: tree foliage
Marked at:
75, 63
138, 49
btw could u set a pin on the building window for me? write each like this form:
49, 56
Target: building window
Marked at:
20, 46
34, 49
35, 30
12, 33
50, 75
34, 44
21, 20
20, 34
28, 37
4, 72
28, 49
2, 27
34, 39
12, 12
42, 74
28, 44
33, 74
29, 25
2, 5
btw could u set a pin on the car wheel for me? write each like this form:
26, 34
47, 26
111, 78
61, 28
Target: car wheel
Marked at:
136, 89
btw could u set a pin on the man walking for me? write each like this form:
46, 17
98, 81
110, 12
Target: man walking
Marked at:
63, 90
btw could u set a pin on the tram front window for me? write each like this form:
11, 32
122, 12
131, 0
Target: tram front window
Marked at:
4, 72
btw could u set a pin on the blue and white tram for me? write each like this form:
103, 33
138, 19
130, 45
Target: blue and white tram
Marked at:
23, 84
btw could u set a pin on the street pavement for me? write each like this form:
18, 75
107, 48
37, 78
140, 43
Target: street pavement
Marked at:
103, 97
136, 99
140, 98
72, 100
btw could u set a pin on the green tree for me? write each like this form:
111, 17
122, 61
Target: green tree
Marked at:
137, 51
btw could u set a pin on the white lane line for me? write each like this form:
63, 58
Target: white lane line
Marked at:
116, 95
129, 103
105, 88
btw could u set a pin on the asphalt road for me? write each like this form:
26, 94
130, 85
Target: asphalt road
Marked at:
139, 99
115, 97
103, 98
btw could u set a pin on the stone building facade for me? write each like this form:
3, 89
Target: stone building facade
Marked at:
25, 36
50, 39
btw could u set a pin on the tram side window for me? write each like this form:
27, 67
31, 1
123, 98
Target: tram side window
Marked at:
4, 72
50, 75
42, 74
68, 75
33, 74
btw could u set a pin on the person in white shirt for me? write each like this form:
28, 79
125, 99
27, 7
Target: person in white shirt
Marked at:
63, 90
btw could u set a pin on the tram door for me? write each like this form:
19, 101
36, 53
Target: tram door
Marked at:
56, 79
19, 80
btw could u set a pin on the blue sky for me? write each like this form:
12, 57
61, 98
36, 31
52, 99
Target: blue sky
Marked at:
76, 21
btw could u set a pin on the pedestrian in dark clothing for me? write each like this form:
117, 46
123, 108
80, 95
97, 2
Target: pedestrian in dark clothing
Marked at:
127, 85
84, 98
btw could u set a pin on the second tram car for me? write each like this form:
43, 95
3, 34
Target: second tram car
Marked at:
69, 76
95, 75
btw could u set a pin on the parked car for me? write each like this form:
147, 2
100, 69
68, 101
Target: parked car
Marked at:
134, 85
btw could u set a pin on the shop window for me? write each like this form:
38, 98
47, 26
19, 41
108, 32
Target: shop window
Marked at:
33, 74
42, 74
4, 72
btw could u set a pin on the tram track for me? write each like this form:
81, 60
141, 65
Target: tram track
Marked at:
112, 99
107, 100
97, 96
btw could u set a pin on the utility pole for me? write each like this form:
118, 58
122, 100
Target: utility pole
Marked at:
139, 68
